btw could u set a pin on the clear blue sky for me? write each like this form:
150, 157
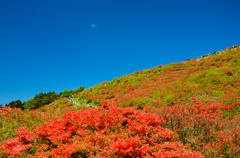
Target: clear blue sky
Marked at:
52, 45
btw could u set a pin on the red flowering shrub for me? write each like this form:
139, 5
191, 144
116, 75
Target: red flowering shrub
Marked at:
229, 72
229, 107
14, 147
25, 135
103, 132
204, 128
12, 119
18, 145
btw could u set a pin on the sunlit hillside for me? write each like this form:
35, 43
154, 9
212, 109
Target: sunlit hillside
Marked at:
212, 78
186, 109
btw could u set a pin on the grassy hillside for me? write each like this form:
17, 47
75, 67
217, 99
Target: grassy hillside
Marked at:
214, 78
186, 109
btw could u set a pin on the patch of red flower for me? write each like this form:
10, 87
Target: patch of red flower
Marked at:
18, 145
97, 132
229, 107
203, 127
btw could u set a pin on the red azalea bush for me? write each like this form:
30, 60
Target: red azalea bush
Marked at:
14, 147
12, 119
18, 145
203, 127
100, 132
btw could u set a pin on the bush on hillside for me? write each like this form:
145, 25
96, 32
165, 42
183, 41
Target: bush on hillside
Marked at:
99, 132
207, 128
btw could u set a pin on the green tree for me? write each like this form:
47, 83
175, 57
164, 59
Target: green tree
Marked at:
51, 96
16, 104
41, 100
29, 104
65, 93
79, 89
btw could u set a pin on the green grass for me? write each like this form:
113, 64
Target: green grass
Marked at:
85, 102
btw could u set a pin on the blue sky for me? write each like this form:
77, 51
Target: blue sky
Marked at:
52, 45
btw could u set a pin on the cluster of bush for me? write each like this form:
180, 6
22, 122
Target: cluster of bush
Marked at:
208, 128
12, 119
110, 131
214, 53
99, 132
42, 99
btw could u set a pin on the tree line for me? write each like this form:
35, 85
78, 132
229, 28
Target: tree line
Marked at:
42, 99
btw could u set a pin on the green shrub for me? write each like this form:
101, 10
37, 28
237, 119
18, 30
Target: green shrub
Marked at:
218, 93
168, 99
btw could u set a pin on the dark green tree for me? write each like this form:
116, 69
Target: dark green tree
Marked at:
40, 100
16, 104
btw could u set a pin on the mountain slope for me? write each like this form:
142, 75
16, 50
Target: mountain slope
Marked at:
190, 109
214, 78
